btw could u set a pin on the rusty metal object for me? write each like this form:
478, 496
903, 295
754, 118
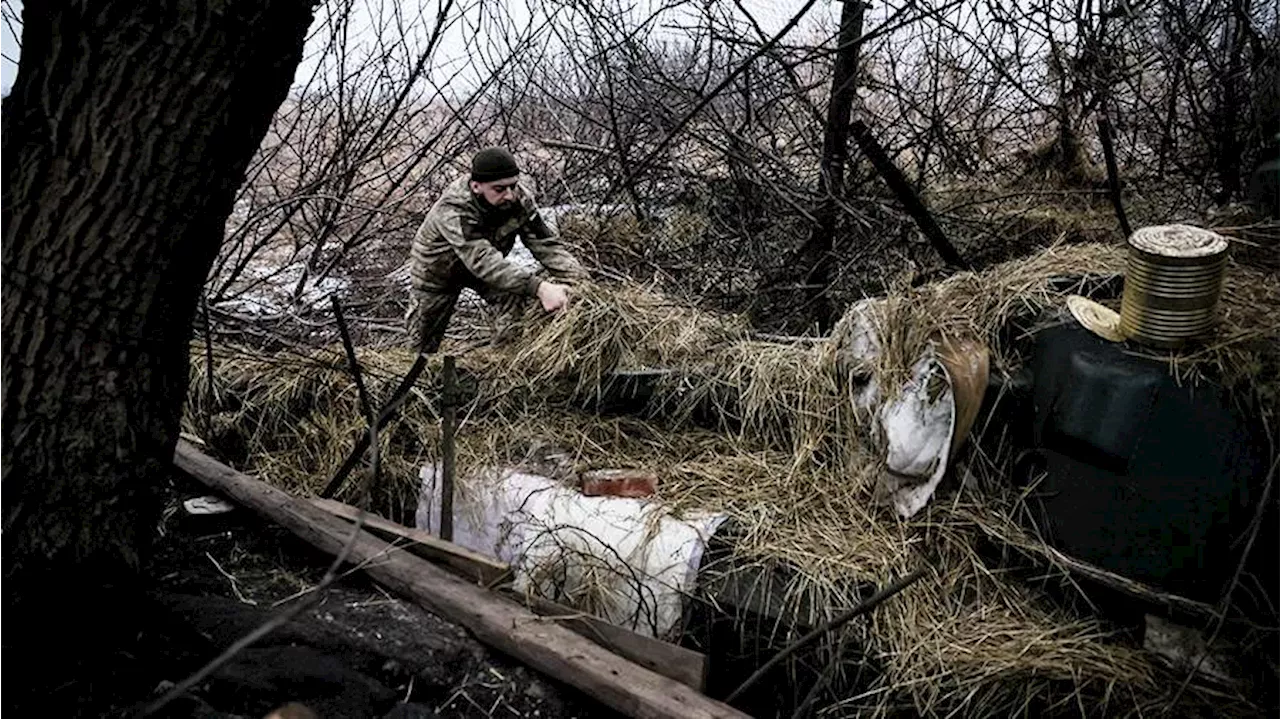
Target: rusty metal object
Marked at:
968, 364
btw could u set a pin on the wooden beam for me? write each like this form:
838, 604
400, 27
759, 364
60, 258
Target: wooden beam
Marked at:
684, 665
911, 202
499, 622
472, 565
670, 660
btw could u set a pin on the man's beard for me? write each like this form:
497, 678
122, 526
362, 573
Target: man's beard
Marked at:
490, 207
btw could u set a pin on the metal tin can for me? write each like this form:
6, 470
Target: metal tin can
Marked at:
1172, 285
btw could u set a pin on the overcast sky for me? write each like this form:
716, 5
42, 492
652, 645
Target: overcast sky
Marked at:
770, 14
9, 47
470, 19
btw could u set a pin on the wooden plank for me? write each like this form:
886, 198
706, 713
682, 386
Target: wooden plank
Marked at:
497, 621
684, 665
670, 660
485, 570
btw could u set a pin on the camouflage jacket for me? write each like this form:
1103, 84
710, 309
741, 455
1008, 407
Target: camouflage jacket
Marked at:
463, 243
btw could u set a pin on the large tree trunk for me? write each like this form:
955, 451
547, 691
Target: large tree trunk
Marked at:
128, 130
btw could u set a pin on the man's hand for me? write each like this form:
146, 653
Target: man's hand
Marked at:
553, 297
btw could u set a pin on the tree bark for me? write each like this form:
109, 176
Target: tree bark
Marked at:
1229, 153
820, 247
127, 132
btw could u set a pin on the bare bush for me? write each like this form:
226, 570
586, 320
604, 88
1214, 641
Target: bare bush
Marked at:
374, 129
704, 124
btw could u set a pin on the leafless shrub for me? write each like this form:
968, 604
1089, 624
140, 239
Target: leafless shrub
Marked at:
705, 125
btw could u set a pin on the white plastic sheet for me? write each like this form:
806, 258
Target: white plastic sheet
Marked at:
627, 560
918, 427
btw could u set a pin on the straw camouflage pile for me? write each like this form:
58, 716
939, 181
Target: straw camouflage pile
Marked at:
766, 432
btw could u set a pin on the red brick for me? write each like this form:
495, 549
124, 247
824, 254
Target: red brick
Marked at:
619, 483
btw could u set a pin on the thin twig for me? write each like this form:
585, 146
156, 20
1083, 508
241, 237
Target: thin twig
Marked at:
366, 404
1113, 174
627, 175
823, 680
836, 623
388, 411
208, 372
235, 583
357, 375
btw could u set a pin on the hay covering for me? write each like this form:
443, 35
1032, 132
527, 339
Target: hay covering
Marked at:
788, 459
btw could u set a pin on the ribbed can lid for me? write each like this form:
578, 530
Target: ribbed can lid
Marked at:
1184, 241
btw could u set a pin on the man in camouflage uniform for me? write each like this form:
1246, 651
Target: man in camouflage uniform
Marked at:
464, 242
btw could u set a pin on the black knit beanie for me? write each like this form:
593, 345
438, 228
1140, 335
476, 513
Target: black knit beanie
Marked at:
493, 163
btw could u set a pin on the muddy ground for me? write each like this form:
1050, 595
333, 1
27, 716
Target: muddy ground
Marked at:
359, 652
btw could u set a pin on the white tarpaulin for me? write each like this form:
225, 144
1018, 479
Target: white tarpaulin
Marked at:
626, 560
918, 427
922, 426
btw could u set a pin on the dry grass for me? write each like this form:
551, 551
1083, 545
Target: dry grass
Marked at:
983, 304
790, 462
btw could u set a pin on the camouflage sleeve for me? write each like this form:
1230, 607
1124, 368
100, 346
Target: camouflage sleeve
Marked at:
482, 258
547, 247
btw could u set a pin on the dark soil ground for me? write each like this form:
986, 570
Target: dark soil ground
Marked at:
359, 652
